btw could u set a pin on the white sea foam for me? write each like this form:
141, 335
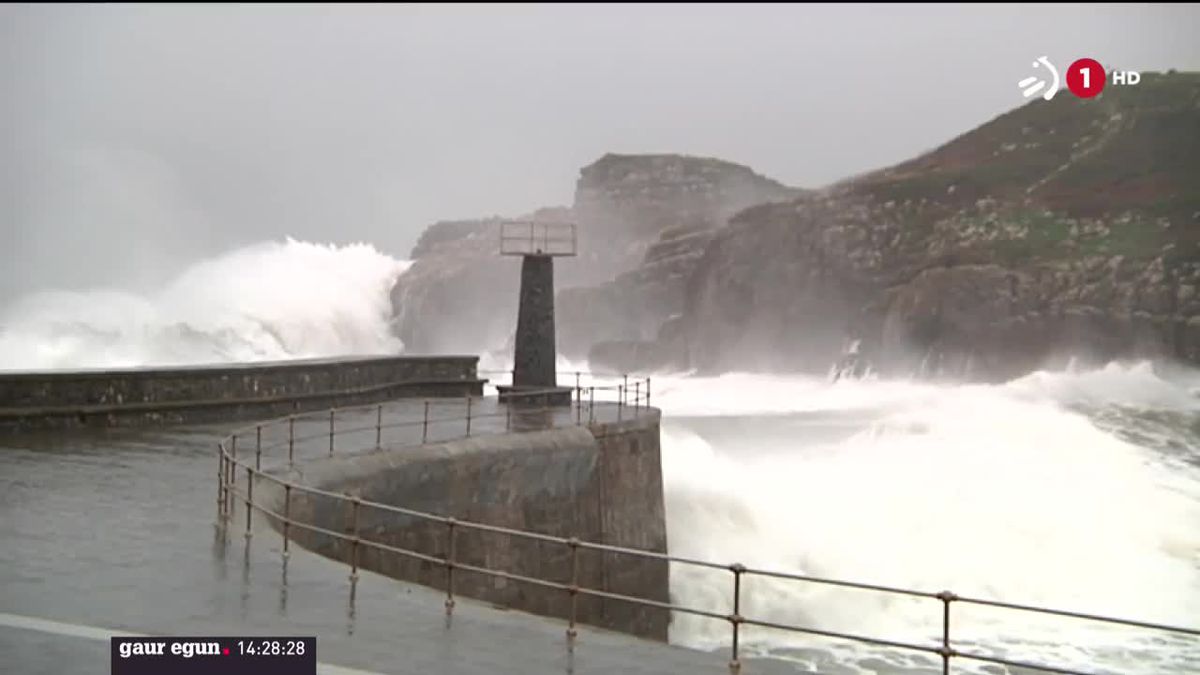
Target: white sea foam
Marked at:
272, 300
1004, 492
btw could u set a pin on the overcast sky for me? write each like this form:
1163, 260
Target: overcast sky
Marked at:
136, 138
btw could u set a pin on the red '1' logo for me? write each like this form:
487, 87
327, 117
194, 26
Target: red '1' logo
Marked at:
1085, 78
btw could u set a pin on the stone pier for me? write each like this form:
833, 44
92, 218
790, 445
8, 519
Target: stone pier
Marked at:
599, 483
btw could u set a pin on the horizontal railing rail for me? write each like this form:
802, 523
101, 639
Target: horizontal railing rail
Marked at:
629, 399
630, 391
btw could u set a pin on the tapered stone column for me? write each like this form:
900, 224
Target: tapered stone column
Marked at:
534, 355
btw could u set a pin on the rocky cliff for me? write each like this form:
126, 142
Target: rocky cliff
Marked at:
429, 306
626, 203
649, 218
642, 222
1069, 227
460, 294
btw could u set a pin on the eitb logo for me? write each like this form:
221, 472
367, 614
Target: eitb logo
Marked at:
1034, 84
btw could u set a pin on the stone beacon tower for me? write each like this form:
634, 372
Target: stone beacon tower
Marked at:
534, 379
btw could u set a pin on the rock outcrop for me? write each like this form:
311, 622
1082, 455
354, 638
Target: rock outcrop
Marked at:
635, 305
1063, 228
460, 294
647, 220
455, 274
625, 203
642, 221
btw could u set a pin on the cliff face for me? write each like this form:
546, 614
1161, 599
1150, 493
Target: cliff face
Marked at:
453, 293
625, 203
642, 221
1063, 227
647, 219
635, 305
460, 295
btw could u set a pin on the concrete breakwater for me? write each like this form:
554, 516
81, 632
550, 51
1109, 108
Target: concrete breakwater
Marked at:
598, 483
222, 393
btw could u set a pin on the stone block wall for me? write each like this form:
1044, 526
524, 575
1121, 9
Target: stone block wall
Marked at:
220, 393
601, 485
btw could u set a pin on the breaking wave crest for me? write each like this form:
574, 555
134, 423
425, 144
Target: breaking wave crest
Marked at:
273, 300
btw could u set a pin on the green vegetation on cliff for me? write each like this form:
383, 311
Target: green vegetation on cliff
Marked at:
1115, 175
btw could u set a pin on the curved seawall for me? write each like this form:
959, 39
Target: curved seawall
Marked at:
599, 483
223, 393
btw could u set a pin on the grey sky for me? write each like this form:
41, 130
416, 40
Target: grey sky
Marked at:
136, 138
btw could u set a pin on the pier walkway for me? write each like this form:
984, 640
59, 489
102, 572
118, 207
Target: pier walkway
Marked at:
112, 531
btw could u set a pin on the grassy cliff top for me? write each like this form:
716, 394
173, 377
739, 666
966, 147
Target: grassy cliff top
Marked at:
1117, 174
1130, 148
615, 168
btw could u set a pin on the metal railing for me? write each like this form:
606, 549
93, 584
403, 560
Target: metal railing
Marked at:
618, 389
626, 399
537, 238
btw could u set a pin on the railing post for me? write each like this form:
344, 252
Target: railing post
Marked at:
735, 664
231, 487
331, 411
220, 483
468, 416
578, 404
591, 404
624, 386
287, 518
572, 633
379, 426
577, 380
425, 424
647, 392
946, 597
450, 551
354, 504
291, 438
637, 397
620, 400
249, 498
258, 448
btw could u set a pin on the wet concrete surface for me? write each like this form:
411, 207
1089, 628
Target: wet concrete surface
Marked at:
115, 529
